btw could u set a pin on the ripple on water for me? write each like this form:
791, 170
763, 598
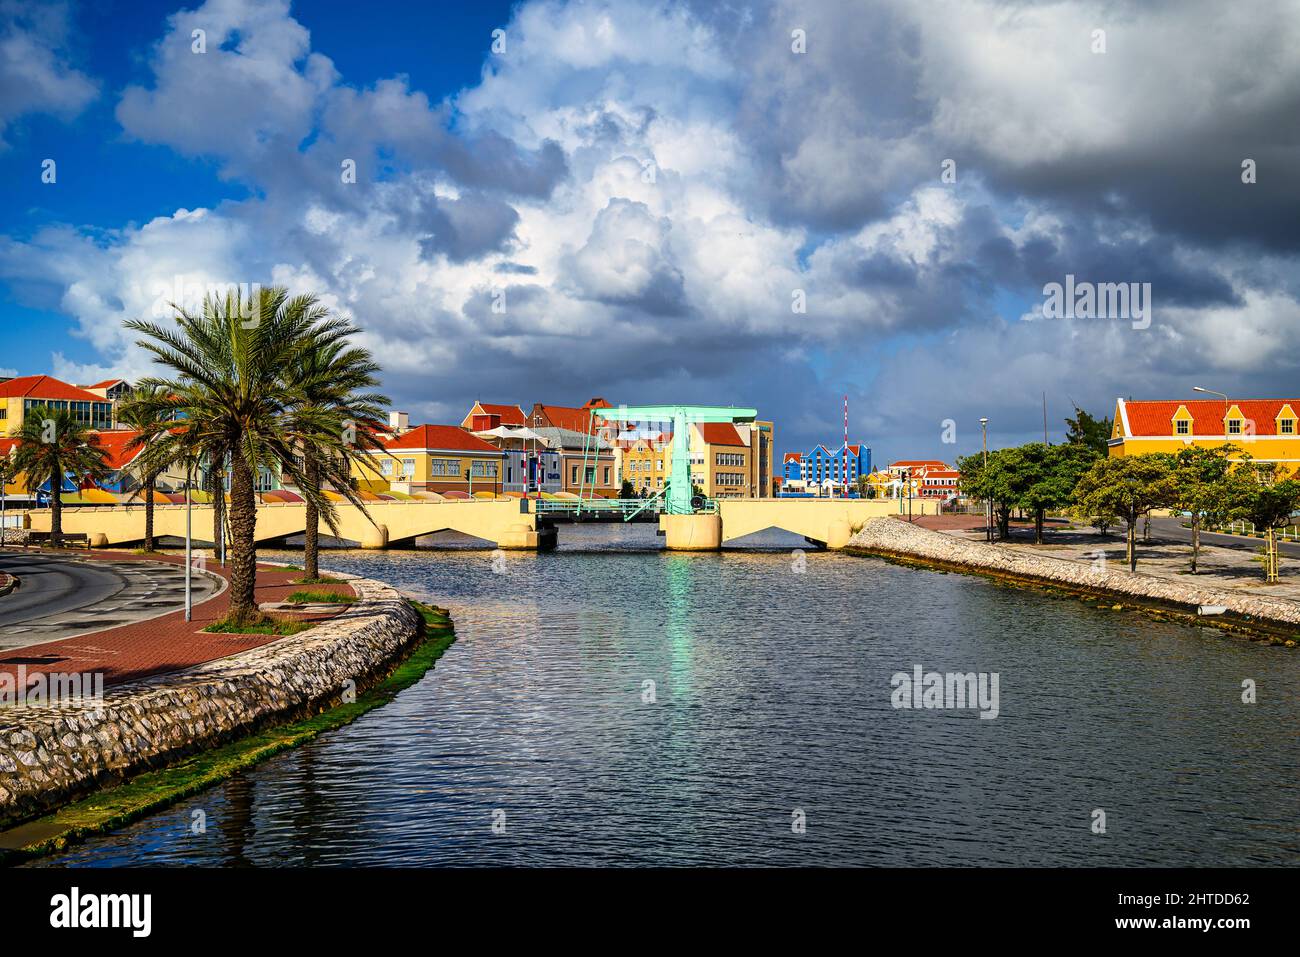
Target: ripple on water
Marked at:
772, 696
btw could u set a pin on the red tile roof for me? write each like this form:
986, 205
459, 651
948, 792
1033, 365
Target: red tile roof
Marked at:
918, 463
105, 384
116, 454
793, 457
719, 433
510, 414
564, 417
45, 387
449, 437
1156, 418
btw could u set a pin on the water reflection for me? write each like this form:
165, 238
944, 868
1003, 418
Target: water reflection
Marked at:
772, 693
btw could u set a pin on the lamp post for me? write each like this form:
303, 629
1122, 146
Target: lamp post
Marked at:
988, 501
1226, 404
469, 478
189, 475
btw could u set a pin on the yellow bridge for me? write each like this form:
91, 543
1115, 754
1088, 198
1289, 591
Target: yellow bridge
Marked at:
506, 523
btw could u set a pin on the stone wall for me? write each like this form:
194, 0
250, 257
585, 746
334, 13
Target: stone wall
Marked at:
48, 755
895, 538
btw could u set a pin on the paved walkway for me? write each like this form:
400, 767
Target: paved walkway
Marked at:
1229, 562
62, 595
168, 643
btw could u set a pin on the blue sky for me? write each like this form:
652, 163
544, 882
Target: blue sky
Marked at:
648, 186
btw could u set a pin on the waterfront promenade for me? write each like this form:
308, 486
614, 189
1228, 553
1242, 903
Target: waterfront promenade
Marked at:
154, 646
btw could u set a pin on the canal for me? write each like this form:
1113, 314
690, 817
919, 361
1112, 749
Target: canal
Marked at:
768, 735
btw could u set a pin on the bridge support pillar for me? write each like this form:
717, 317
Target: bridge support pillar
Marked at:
519, 537
691, 533
376, 536
838, 534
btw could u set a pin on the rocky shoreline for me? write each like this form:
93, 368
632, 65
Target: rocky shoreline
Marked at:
897, 539
49, 755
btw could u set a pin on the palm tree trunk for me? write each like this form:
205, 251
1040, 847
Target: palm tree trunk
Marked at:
149, 486
56, 506
311, 533
243, 553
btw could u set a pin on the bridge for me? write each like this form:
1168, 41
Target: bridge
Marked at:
507, 523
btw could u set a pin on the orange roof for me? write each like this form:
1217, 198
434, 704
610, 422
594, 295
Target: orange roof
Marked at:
449, 437
719, 433
510, 414
1156, 418
45, 387
116, 454
918, 463
793, 457
105, 384
564, 417
7, 445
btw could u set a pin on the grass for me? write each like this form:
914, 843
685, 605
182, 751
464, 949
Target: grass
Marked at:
151, 791
269, 625
309, 597
318, 580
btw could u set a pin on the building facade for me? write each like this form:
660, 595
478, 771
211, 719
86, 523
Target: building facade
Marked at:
20, 395
433, 458
1268, 430
825, 471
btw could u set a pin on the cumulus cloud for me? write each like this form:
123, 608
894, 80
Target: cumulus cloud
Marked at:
634, 196
35, 74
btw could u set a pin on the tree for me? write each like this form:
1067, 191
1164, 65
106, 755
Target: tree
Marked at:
626, 490
1089, 433
1130, 487
52, 445
236, 381
1043, 477
334, 421
992, 484
152, 424
1201, 486
1267, 500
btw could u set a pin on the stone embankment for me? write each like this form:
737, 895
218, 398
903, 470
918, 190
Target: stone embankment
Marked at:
51, 754
893, 538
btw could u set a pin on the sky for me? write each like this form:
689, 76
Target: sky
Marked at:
769, 205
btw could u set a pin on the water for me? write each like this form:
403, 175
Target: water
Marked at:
772, 699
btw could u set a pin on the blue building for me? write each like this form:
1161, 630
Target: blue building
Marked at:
817, 471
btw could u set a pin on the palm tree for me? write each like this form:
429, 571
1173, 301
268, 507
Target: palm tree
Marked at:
336, 419
152, 425
52, 444
236, 387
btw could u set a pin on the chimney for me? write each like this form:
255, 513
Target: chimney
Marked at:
399, 422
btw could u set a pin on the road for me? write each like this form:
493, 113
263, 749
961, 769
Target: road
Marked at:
1172, 528
61, 596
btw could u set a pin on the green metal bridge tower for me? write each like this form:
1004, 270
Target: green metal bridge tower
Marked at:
678, 498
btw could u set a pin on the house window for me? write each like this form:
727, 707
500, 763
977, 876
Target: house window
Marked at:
606, 473
386, 467
483, 469
408, 467
1234, 426
1286, 426
574, 480
1182, 427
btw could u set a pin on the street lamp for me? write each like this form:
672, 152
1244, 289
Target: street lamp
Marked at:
1226, 405
988, 502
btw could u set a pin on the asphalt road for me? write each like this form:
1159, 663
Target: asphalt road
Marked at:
1172, 528
62, 596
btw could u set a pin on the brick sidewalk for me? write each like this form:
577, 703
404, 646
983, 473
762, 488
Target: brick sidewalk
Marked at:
167, 643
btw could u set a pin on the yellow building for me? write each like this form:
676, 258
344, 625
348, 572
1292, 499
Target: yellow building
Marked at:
1268, 430
646, 464
19, 395
433, 458
726, 460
